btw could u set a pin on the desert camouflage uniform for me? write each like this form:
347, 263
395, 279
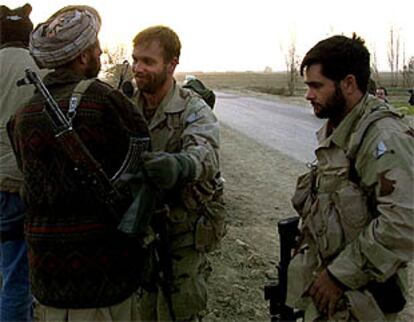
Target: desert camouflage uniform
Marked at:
185, 123
357, 216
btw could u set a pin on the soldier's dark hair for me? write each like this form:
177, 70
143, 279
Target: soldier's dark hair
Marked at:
340, 56
384, 89
167, 38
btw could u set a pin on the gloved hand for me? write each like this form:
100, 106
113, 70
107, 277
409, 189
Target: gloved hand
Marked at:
166, 170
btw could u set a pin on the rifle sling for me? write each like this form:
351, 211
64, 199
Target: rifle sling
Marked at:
72, 135
76, 97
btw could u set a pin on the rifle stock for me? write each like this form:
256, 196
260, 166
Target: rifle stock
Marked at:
275, 292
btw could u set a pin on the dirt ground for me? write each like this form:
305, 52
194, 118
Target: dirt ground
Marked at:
259, 185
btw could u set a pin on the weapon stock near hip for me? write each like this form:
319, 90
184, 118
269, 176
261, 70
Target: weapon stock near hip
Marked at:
275, 291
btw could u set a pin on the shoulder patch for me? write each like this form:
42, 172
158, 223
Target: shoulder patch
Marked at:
193, 117
380, 150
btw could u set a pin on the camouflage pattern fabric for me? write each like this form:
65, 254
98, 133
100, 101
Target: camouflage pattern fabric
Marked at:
189, 290
357, 216
184, 123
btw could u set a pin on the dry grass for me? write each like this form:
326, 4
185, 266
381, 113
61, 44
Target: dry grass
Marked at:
276, 84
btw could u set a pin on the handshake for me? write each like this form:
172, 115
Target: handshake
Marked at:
161, 171
165, 170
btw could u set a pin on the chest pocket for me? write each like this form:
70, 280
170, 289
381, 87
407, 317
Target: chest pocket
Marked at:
338, 213
304, 195
175, 130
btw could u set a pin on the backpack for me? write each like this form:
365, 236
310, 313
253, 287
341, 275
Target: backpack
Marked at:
196, 85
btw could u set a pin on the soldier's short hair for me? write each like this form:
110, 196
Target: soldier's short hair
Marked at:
384, 89
167, 38
340, 56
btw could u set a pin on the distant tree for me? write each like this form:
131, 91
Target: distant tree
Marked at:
375, 75
408, 73
394, 54
268, 69
292, 62
113, 64
115, 55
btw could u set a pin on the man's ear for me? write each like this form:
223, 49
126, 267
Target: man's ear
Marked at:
172, 65
349, 84
83, 57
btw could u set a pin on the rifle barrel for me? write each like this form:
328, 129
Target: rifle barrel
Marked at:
33, 78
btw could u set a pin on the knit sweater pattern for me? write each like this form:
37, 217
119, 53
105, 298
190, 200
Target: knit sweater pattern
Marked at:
77, 257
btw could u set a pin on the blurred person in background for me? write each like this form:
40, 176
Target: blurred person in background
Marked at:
382, 94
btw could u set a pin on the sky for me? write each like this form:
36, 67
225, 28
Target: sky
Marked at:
246, 35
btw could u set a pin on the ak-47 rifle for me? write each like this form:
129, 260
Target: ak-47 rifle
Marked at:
90, 171
275, 292
163, 258
144, 196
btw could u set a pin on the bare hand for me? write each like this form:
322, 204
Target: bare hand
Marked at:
325, 293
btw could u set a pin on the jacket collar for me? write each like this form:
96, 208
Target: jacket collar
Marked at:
62, 76
341, 135
171, 104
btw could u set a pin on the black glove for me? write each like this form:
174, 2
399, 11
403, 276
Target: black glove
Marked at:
166, 170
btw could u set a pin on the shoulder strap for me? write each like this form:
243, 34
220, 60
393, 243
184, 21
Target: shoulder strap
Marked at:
362, 129
76, 97
356, 141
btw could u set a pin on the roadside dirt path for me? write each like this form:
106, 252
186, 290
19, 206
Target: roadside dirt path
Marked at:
259, 185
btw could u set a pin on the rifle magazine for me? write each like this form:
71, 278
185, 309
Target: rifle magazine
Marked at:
133, 159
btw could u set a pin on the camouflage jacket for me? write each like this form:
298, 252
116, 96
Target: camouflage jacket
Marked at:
356, 212
184, 123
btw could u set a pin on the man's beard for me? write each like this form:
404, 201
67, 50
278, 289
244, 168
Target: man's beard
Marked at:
334, 108
94, 67
153, 82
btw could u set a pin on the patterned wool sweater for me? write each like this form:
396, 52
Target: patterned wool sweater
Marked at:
77, 257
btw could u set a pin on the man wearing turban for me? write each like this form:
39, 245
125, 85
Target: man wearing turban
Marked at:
81, 267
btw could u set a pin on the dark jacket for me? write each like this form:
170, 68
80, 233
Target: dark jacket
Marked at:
77, 257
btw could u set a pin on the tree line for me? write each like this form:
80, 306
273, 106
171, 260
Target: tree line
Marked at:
401, 67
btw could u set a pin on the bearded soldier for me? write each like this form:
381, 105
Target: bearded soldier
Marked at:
184, 164
356, 203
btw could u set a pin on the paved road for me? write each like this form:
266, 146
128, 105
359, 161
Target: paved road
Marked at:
287, 128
